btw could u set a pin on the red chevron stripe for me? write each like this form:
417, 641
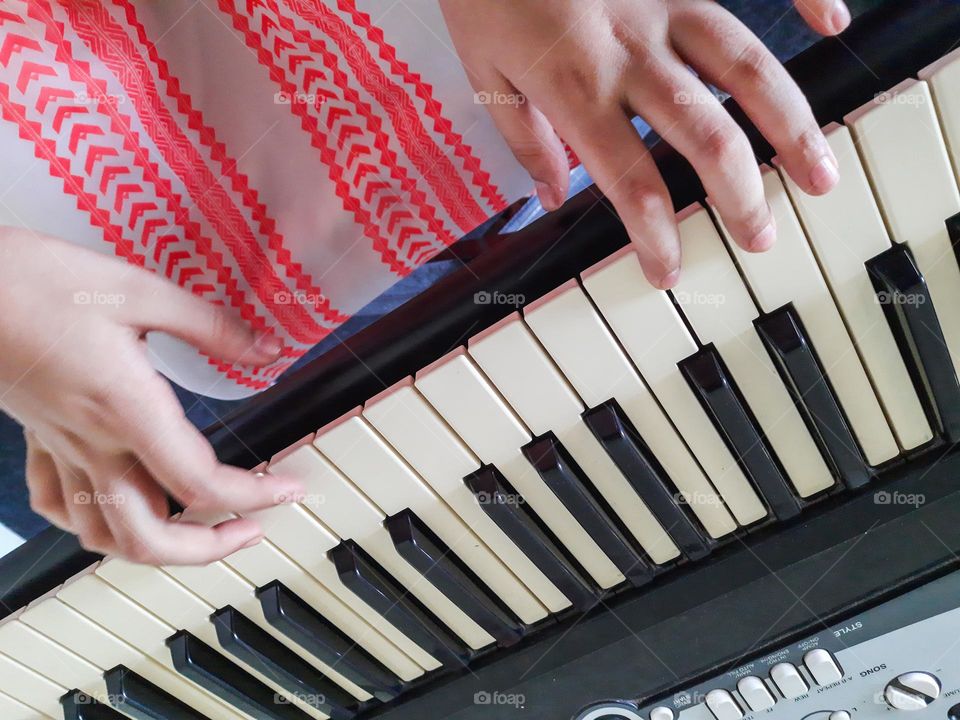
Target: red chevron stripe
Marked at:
49, 93
63, 112
15, 44
318, 139
31, 71
95, 155
238, 181
46, 150
112, 46
79, 72
433, 107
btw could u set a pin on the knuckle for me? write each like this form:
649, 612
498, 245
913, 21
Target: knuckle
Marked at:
574, 80
530, 153
756, 65
722, 142
641, 199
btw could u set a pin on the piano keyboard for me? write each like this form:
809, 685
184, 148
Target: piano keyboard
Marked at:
597, 437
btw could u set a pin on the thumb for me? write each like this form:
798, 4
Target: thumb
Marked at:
532, 140
827, 17
212, 329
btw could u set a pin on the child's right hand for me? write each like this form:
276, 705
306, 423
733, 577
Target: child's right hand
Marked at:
107, 439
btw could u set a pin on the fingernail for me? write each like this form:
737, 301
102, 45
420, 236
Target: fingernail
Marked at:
252, 541
824, 175
764, 239
268, 344
550, 195
839, 17
669, 279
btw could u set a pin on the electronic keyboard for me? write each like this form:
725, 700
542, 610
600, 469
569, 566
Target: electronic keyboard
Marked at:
543, 489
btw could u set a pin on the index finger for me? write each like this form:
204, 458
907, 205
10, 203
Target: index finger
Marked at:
618, 160
182, 461
144, 533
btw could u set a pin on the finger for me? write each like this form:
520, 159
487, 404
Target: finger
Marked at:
181, 460
618, 160
827, 17
731, 57
43, 482
84, 506
530, 138
146, 534
685, 114
210, 328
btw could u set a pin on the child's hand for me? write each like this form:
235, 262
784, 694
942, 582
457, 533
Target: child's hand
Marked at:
106, 437
585, 68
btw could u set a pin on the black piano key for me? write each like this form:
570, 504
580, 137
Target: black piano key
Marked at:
711, 382
375, 586
291, 616
785, 339
518, 522
569, 483
77, 705
909, 309
437, 563
251, 644
141, 699
643, 471
201, 664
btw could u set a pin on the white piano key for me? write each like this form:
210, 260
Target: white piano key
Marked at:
219, 585
788, 272
846, 230
713, 298
50, 659
359, 452
421, 437
465, 398
12, 709
655, 338
64, 625
349, 513
300, 535
182, 609
519, 368
580, 343
30, 688
943, 78
903, 151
